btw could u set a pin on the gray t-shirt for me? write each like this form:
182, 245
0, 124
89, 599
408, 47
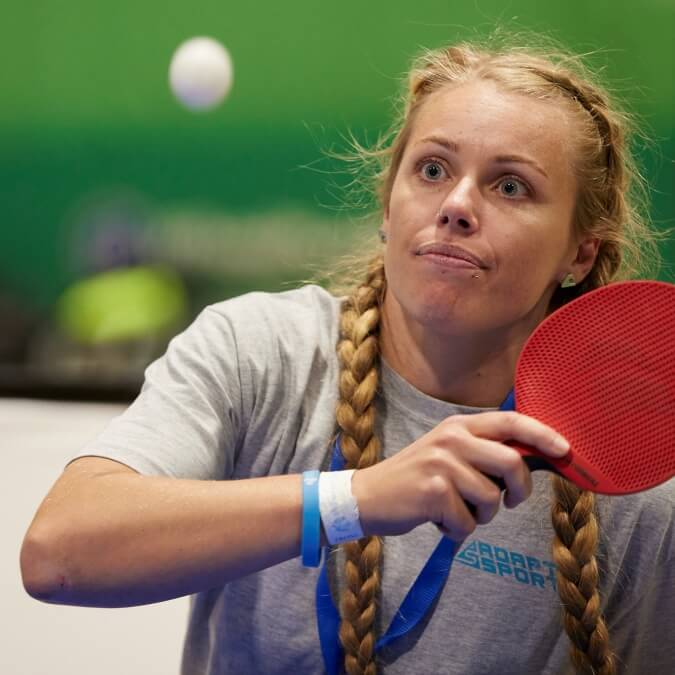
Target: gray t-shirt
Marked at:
250, 388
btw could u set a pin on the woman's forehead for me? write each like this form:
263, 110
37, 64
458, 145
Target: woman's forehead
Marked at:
478, 115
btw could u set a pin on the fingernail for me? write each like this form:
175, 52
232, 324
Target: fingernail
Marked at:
561, 444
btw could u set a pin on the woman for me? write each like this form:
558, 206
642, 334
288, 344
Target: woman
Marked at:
505, 192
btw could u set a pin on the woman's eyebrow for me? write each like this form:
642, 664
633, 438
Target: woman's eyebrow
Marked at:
452, 146
439, 140
522, 160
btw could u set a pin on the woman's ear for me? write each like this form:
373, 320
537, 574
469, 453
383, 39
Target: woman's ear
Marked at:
385, 220
587, 252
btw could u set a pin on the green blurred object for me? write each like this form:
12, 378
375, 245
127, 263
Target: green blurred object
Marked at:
123, 304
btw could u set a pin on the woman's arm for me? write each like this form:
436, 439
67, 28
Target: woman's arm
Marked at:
106, 536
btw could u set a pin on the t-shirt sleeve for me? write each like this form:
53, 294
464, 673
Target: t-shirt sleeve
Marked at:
186, 421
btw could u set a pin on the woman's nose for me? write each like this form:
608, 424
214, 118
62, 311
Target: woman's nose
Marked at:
458, 209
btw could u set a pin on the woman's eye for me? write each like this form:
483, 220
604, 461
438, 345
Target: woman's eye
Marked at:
431, 170
513, 187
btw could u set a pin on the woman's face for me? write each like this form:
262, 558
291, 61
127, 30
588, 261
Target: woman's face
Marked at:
479, 221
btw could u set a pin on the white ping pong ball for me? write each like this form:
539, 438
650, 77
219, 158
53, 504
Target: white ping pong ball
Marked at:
200, 73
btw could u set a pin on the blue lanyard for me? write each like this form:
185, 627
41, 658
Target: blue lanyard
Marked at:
416, 603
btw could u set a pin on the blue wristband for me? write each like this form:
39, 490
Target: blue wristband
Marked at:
311, 520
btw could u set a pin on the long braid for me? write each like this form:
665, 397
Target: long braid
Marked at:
358, 351
573, 510
574, 547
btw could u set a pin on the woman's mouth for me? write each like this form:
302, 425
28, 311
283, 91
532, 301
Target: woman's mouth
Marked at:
450, 255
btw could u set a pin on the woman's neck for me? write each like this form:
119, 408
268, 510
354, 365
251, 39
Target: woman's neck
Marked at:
472, 370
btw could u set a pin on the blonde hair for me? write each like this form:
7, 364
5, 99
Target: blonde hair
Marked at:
611, 206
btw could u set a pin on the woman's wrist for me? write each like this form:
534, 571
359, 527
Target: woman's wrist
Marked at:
339, 507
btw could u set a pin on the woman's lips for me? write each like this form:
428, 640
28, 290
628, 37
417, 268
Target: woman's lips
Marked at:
450, 255
449, 261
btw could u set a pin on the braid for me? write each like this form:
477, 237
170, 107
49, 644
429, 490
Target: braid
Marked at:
358, 351
574, 546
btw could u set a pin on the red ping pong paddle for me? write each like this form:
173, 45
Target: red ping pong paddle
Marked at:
601, 371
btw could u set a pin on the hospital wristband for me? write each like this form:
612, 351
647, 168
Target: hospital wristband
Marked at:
339, 510
310, 545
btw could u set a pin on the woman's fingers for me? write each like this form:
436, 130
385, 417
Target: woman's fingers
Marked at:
495, 459
445, 476
473, 450
508, 425
460, 497
481, 495
469, 473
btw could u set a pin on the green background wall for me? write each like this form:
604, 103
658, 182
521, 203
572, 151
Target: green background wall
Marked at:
86, 109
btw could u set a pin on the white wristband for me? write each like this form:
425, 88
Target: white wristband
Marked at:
339, 510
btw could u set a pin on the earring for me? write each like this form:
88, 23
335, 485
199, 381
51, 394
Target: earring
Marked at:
568, 281
383, 235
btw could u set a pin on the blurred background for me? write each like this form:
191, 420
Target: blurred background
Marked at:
123, 213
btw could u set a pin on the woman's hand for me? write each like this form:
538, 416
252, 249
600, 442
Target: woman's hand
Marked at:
433, 478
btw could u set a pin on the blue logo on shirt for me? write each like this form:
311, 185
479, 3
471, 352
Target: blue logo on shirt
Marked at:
523, 568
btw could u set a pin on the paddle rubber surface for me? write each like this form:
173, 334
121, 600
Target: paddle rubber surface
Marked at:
601, 371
